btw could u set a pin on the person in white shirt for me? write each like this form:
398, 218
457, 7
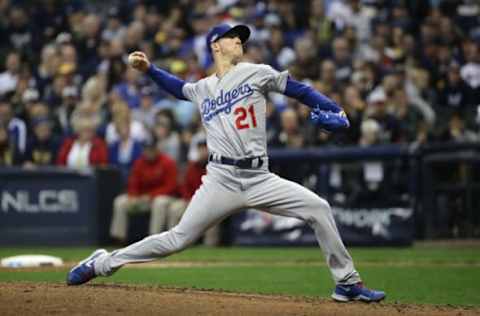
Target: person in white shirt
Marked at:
85, 149
9, 78
137, 130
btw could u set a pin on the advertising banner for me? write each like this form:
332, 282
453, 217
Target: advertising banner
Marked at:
360, 227
47, 207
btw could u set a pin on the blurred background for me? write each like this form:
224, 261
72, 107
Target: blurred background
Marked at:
93, 152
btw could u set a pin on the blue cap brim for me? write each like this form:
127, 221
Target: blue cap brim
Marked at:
242, 30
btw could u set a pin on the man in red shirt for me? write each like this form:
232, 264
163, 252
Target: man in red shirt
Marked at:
151, 186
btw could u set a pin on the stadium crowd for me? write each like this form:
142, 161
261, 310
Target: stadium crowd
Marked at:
405, 72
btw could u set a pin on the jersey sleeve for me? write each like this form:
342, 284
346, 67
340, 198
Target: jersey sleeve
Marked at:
190, 91
272, 80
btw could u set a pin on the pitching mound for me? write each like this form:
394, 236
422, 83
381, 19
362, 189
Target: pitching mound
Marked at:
58, 299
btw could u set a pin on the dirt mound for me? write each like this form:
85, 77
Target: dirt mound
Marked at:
55, 298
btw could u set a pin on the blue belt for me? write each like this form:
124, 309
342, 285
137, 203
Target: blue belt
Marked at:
245, 163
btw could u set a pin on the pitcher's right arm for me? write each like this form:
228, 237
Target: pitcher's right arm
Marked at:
162, 78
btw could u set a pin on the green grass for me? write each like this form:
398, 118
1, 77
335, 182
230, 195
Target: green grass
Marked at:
419, 254
431, 275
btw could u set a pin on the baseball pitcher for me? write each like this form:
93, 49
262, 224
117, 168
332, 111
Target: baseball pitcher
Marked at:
232, 104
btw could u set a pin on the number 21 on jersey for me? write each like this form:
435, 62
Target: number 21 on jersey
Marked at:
245, 117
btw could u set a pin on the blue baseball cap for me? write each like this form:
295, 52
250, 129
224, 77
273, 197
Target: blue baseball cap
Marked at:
219, 31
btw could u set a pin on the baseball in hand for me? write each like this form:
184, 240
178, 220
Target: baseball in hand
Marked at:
139, 61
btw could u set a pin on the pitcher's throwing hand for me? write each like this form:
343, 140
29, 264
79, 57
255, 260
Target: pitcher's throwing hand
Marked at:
139, 61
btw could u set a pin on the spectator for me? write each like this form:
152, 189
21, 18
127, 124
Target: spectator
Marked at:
94, 92
114, 28
16, 127
147, 111
470, 71
47, 68
167, 135
87, 43
273, 123
84, 149
8, 78
373, 179
126, 150
9, 155
134, 35
355, 107
457, 132
370, 133
197, 137
408, 117
43, 146
305, 65
184, 111
69, 65
280, 55
52, 91
290, 135
151, 186
390, 130
25, 82
113, 66
322, 27
20, 31
129, 89
39, 110
420, 96
455, 93
328, 80
350, 13
396, 50
64, 111
342, 58
364, 78
137, 129
24, 104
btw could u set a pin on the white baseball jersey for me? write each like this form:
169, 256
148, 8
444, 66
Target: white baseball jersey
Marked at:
233, 108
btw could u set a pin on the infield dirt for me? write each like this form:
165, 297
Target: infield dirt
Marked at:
99, 299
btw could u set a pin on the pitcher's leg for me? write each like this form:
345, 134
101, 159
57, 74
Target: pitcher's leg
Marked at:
119, 224
279, 196
210, 204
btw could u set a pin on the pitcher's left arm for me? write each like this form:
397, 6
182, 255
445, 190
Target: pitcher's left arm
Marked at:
325, 112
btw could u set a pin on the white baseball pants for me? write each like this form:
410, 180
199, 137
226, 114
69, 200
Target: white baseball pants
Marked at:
226, 190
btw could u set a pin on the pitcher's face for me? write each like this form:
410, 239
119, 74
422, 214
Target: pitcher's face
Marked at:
229, 46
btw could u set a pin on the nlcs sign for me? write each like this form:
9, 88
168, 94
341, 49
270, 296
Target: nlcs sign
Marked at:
43, 201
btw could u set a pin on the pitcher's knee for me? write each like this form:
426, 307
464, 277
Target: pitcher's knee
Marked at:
318, 204
318, 209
